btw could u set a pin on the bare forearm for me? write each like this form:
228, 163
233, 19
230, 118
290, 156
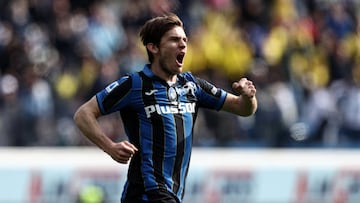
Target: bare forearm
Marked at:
248, 105
240, 105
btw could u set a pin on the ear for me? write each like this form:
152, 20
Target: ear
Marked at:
154, 49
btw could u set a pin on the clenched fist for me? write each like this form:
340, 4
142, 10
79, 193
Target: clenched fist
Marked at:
244, 87
122, 151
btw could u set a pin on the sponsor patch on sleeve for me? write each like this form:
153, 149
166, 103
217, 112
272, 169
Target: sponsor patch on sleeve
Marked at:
110, 87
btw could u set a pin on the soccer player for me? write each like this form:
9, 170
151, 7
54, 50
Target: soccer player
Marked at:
158, 106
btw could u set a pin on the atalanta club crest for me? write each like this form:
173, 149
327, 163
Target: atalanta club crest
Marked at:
172, 95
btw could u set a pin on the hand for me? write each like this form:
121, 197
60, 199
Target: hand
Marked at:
122, 151
244, 87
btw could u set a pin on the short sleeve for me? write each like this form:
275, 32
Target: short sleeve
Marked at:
208, 95
115, 96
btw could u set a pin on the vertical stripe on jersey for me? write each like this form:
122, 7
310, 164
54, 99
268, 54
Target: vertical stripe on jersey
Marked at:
170, 150
187, 149
132, 123
157, 133
180, 139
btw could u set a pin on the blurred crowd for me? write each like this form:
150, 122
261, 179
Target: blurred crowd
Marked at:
302, 55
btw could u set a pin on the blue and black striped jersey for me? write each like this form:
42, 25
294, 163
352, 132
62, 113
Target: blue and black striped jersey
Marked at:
159, 120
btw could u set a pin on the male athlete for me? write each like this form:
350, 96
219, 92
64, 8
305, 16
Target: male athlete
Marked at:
158, 106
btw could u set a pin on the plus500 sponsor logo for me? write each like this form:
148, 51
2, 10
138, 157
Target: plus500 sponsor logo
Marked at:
180, 108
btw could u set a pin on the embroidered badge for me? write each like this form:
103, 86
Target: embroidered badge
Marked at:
172, 95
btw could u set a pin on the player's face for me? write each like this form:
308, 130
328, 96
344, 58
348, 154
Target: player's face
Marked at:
172, 50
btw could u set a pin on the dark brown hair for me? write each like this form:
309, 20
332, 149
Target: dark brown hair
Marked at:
154, 29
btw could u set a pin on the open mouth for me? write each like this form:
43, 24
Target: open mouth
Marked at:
180, 58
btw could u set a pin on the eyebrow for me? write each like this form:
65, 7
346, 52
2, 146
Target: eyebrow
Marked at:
178, 37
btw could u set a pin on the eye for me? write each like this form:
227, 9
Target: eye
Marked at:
174, 39
179, 39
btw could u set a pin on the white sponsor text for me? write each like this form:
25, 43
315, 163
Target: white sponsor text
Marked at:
170, 109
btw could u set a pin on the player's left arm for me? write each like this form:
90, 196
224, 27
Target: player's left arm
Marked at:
244, 104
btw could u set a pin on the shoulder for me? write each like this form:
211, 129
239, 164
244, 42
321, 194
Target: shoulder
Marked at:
124, 81
119, 87
188, 76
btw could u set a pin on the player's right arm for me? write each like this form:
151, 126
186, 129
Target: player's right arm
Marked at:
86, 120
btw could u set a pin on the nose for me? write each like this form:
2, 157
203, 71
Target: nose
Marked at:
182, 43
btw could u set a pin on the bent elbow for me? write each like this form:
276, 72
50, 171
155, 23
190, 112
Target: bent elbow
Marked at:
77, 116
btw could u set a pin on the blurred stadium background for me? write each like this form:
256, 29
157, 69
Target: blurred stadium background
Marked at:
303, 55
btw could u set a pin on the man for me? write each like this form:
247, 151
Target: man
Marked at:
158, 106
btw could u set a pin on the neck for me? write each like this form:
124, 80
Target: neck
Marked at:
163, 73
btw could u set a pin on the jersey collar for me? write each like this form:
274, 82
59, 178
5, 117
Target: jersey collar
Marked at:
148, 72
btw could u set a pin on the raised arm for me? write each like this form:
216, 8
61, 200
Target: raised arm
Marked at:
244, 104
86, 120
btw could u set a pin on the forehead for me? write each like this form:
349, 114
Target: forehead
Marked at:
175, 32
